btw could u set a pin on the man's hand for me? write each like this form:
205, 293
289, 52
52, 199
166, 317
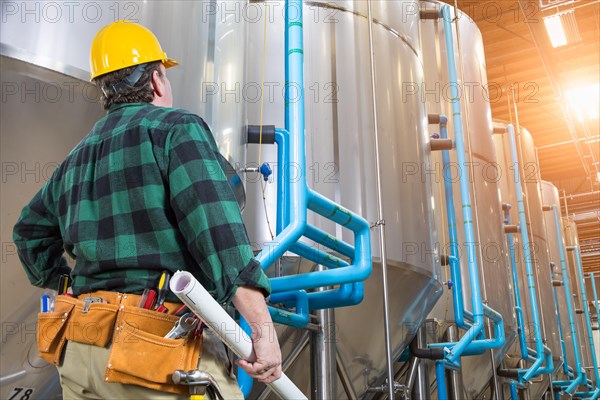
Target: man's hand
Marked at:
266, 365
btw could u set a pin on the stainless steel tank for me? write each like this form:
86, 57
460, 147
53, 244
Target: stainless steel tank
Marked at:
539, 247
477, 371
36, 136
48, 106
572, 239
341, 163
550, 197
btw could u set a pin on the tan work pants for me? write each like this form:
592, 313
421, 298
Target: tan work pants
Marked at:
84, 366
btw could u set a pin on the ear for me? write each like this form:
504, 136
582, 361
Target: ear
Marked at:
158, 85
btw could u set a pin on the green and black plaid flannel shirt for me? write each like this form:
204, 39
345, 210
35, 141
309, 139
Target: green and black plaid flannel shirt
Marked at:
143, 192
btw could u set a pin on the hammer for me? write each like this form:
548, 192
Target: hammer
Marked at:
199, 382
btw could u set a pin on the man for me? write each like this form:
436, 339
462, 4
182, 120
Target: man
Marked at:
143, 192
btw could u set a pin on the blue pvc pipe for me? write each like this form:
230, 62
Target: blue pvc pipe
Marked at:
295, 204
282, 140
347, 294
440, 376
329, 241
593, 282
294, 197
586, 311
589, 395
514, 394
359, 271
570, 310
292, 193
517, 294
245, 381
561, 334
528, 373
479, 346
465, 192
299, 299
457, 290
469, 340
597, 313
317, 256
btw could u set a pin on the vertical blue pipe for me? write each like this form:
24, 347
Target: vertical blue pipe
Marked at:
294, 122
457, 293
294, 106
561, 334
517, 295
281, 138
440, 376
469, 343
514, 394
570, 310
593, 282
596, 394
465, 194
245, 381
529, 373
586, 311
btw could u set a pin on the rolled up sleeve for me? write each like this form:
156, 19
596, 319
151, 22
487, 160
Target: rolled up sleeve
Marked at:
39, 242
207, 212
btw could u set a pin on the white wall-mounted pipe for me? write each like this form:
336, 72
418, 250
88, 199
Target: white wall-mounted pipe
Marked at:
197, 298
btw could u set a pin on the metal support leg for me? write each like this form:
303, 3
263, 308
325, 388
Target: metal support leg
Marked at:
323, 356
421, 389
345, 379
455, 389
411, 375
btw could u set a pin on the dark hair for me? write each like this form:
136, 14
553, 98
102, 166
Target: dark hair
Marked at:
141, 92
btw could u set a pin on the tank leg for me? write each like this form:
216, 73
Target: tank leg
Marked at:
323, 357
345, 379
421, 388
455, 383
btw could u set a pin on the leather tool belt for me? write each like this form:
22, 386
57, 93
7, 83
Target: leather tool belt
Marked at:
139, 354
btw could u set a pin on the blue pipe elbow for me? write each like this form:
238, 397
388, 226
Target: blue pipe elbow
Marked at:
297, 299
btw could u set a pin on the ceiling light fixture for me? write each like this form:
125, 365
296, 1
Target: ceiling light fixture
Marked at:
562, 28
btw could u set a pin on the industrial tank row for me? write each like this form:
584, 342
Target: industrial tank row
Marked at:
340, 138
223, 80
341, 165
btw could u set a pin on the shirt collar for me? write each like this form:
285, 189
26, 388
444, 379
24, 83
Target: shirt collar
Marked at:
116, 107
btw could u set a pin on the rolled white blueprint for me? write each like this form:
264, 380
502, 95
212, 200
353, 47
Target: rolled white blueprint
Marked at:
197, 298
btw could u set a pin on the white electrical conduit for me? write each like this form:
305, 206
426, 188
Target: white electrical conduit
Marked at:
197, 298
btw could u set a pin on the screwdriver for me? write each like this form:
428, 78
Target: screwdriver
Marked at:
163, 289
63, 284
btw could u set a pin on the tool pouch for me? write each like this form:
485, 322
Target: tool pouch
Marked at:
51, 331
91, 323
140, 354
77, 320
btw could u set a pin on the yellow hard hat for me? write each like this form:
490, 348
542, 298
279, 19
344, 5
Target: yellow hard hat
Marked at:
123, 44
